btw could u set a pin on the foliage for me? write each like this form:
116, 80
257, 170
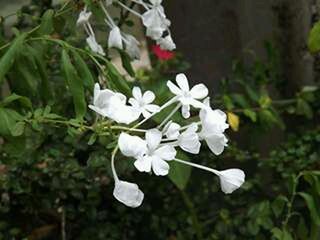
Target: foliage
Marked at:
54, 169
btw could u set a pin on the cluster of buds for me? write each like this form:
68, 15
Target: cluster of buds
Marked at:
153, 148
153, 18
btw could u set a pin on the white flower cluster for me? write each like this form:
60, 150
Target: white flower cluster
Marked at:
157, 147
154, 19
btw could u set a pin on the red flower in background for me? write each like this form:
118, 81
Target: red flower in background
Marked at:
162, 54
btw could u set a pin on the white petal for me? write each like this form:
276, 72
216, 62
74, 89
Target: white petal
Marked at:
182, 81
160, 167
171, 130
185, 110
131, 146
231, 179
216, 143
148, 97
83, 17
152, 108
173, 88
134, 103
94, 46
115, 39
153, 138
98, 110
199, 91
166, 152
136, 93
166, 43
154, 32
146, 114
189, 140
128, 193
196, 103
143, 164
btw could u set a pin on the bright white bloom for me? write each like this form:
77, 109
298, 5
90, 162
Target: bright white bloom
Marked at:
132, 146
155, 20
171, 130
84, 16
156, 156
231, 179
154, 32
112, 105
142, 103
186, 96
94, 46
132, 46
166, 43
128, 193
115, 39
213, 126
189, 139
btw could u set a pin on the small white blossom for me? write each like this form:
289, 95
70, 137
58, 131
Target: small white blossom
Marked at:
131, 146
84, 17
112, 105
155, 20
128, 193
171, 130
166, 43
156, 156
186, 96
115, 39
189, 139
213, 126
94, 46
231, 179
142, 103
132, 46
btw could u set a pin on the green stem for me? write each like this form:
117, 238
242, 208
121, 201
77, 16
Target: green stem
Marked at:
195, 221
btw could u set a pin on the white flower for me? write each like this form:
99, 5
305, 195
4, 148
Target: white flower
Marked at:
132, 46
83, 17
171, 130
94, 46
155, 20
112, 105
231, 179
132, 146
156, 155
186, 96
154, 32
213, 126
128, 193
166, 43
115, 39
142, 103
189, 139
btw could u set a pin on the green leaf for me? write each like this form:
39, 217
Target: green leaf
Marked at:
83, 70
303, 108
116, 80
75, 85
179, 173
8, 119
8, 58
314, 38
240, 100
278, 205
250, 114
312, 206
46, 26
18, 129
45, 87
15, 97
126, 62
